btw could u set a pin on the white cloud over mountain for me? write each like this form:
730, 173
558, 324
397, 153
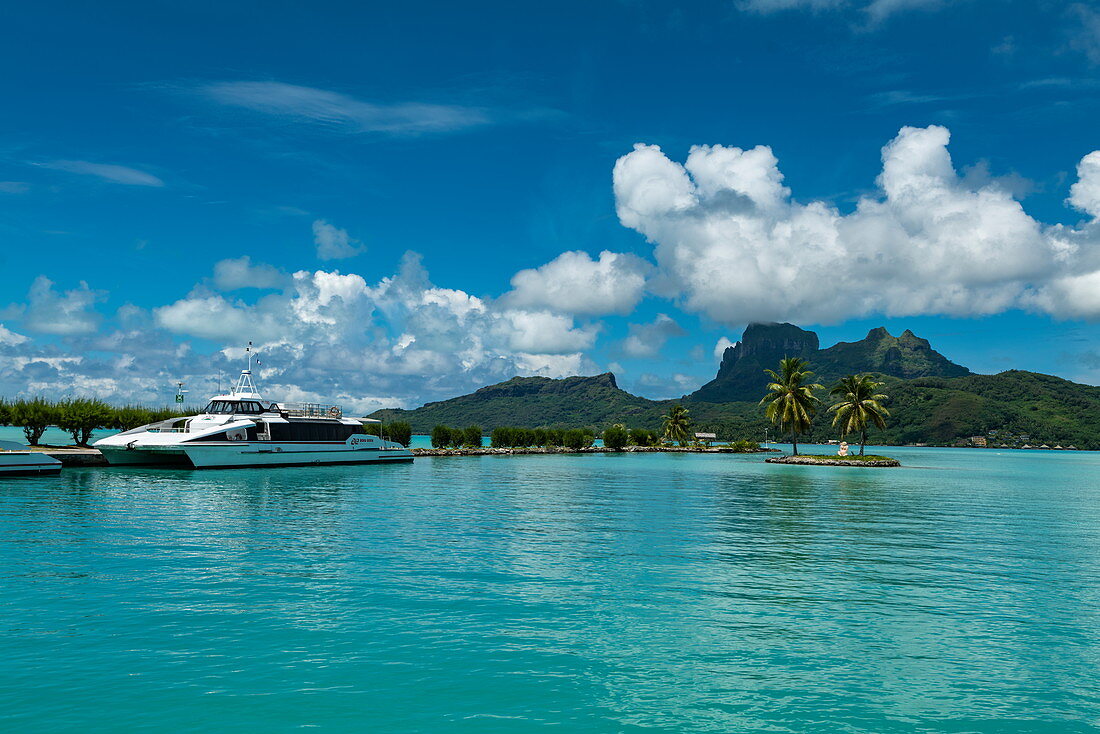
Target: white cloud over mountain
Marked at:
731, 242
575, 283
647, 340
402, 336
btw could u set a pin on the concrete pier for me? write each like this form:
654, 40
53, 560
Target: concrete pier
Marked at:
75, 457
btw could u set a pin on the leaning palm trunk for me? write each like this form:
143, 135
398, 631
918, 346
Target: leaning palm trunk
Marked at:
857, 406
794, 443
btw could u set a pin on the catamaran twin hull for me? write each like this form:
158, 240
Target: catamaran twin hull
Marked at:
236, 454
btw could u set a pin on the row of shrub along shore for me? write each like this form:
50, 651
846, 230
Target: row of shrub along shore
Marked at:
562, 440
79, 417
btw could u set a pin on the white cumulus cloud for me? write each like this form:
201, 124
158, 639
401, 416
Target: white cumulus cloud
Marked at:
575, 283
10, 338
1085, 193
541, 332
334, 333
334, 243
214, 317
67, 313
647, 340
732, 243
240, 272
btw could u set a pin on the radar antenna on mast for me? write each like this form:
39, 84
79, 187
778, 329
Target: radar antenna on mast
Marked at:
245, 388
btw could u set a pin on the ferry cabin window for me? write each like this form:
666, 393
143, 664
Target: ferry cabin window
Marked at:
309, 431
252, 408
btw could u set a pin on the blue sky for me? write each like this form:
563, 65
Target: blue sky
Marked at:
423, 191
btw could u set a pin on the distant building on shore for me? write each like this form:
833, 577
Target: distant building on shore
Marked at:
706, 438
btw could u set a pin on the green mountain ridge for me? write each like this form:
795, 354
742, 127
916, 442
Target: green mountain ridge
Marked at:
532, 402
1018, 407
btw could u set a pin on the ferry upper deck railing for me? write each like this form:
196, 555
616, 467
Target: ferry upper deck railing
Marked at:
311, 410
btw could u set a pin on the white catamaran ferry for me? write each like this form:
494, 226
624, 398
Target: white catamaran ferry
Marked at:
243, 430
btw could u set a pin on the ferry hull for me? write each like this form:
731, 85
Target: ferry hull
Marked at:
121, 456
240, 455
230, 456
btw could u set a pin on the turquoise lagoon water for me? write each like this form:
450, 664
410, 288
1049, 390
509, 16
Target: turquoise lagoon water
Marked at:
590, 593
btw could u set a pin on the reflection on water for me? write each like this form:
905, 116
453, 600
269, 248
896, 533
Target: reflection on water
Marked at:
596, 593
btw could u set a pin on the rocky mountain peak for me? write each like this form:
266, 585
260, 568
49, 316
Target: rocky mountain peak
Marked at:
765, 341
741, 377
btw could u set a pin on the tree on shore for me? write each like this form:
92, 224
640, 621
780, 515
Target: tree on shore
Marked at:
791, 403
471, 437
441, 437
643, 437
34, 416
677, 424
615, 437
398, 431
858, 405
578, 438
81, 416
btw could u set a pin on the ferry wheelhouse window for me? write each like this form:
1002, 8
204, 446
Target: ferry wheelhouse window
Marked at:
228, 407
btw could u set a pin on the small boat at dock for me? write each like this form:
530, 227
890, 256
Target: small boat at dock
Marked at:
17, 460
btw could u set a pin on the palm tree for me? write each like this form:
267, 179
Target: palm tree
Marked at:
791, 403
676, 424
858, 404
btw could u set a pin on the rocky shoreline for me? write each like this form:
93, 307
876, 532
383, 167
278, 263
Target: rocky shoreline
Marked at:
488, 451
92, 457
833, 461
